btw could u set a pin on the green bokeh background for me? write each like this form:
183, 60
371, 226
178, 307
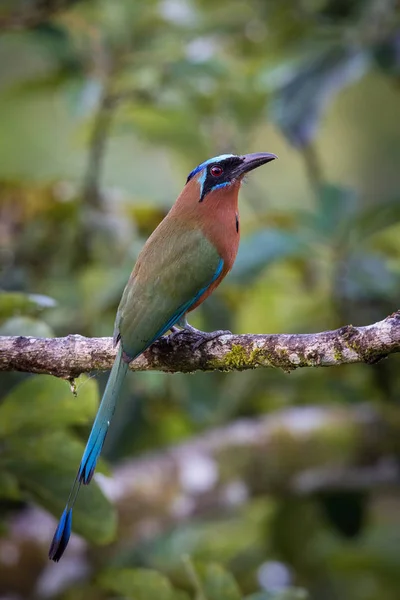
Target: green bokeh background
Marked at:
105, 107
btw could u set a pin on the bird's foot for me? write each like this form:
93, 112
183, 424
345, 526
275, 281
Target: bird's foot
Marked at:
205, 336
175, 331
202, 336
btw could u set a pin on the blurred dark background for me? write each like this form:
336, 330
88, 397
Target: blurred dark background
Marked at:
105, 107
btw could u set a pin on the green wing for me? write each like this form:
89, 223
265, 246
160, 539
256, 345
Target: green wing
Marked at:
172, 272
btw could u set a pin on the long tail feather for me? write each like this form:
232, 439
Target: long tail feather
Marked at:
91, 454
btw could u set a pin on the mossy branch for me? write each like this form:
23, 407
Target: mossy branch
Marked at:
70, 356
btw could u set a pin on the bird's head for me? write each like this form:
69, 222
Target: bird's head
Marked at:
226, 170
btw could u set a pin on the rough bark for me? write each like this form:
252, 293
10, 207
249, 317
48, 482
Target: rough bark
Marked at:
70, 356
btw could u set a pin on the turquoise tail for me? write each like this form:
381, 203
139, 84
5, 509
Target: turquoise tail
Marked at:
91, 454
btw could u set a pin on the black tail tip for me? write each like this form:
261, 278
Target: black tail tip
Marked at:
85, 474
61, 536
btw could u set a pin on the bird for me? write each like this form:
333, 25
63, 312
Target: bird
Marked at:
182, 262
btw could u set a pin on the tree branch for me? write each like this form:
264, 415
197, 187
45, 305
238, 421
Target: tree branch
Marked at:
273, 454
70, 356
217, 472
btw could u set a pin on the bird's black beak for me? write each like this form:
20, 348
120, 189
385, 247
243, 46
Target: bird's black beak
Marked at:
252, 161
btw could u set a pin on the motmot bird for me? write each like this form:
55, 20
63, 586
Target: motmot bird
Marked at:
183, 261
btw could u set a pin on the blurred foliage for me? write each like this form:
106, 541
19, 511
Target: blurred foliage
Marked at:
104, 107
39, 457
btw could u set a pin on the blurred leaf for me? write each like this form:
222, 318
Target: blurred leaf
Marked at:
295, 524
55, 39
367, 276
212, 541
259, 250
45, 403
17, 303
372, 219
304, 94
376, 553
335, 208
45, 460
217, 583
387, 54
172, 126
140, 584
289, 594
46, 466
9, 487
26, 326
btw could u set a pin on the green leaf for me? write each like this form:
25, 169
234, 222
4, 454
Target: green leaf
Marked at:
140, 584
12, 303
162, 125
373, 219
44, 459
304, 94
336, 207
44, 403
26, 326
217, 583
46, 466
368, 276
256, 252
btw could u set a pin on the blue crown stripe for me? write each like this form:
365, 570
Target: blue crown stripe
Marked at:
215, 159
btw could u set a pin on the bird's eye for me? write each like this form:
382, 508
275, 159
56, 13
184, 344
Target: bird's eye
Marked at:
216, 171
